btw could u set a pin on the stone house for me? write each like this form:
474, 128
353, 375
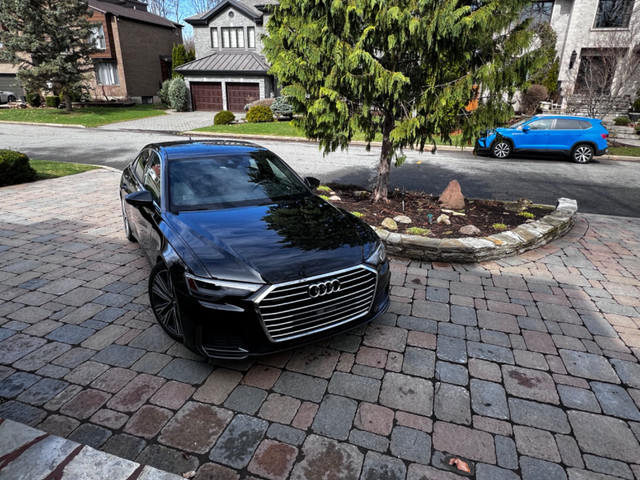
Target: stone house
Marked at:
134, 52
230, 69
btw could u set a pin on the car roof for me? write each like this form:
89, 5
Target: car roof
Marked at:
202, 148
569, 117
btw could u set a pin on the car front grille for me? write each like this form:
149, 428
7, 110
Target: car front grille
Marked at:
289, 310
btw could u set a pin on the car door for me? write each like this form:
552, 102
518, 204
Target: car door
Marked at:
132, 181
536, 134
150, 217
565, 133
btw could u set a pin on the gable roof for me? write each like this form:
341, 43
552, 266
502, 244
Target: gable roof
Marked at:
132, 14
247, 63
204, 18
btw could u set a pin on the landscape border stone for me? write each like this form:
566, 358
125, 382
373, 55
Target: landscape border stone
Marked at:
479, 249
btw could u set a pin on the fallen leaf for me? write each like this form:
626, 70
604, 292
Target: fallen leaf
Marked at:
460, 465
190, 474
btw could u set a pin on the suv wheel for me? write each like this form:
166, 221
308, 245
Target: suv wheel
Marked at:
582, 153
501, 149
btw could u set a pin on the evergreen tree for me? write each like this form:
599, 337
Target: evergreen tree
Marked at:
405, 69
50, 40
178, 57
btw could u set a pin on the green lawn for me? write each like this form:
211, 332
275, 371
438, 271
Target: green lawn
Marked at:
47, 169
626, 151
89, 117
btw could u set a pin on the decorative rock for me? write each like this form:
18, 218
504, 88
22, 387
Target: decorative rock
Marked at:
470, 230
452, 196
402, 219
335, 198
444, 219
389, 224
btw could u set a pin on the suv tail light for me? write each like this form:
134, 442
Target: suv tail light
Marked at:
605, 135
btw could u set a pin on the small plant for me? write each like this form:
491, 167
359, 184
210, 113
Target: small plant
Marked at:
52, 101
501, 227
15, 168
636, 105
622, 121
178, 95
33, 99
324, 197
259, 114
323, 188
225, 117
357, 214
526, 215
418, 231
282, 108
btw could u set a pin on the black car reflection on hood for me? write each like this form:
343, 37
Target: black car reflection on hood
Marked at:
226, 225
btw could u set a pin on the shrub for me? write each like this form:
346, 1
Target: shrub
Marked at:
636, 105
178, 95
15, 168
282, 108
532, 97
622, 121
33, 99
163, 93
225, 117
52, 101
259, 114
267, 102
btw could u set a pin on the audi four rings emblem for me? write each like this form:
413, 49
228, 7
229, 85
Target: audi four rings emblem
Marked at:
324, 288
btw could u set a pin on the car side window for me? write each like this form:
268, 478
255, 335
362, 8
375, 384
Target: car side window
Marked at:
542, 124
138, 165
152, 176
567, 124
585, 125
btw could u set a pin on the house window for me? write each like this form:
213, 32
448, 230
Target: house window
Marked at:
214, 37
595, 73
232, 37
97, 37
251, 37
107, 73
613, 13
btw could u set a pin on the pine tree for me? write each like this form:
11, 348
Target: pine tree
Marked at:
404, 69
178, 57
50, 40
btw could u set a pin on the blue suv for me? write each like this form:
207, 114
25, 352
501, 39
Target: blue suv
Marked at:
581, 138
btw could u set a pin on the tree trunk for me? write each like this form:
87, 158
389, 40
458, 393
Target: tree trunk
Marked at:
67, 100
381, 189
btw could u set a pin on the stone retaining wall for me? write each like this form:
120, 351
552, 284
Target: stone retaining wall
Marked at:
479, 249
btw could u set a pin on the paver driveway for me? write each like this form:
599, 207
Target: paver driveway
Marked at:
526, 366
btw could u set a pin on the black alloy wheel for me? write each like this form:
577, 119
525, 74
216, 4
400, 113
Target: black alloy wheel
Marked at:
11, 98
127, 227
501, 149
582, 153
164, 301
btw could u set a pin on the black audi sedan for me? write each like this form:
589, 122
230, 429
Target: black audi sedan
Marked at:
246, 259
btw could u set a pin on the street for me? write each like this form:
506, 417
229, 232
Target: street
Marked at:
604, 186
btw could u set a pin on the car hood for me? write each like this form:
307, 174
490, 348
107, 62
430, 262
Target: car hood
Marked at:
274, 243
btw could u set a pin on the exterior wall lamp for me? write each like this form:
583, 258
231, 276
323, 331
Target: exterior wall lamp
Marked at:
572, 59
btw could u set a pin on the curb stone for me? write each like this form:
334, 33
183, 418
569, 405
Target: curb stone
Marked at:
471, 249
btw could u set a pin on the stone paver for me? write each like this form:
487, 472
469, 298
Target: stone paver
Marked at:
529, 365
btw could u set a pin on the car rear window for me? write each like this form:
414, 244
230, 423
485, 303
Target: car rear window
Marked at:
228, 181
585, 124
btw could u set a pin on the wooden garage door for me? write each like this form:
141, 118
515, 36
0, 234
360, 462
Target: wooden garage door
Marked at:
206, 96
239, 94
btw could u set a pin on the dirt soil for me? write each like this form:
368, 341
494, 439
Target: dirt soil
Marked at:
424, 210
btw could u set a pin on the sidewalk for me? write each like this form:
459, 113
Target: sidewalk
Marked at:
527, 366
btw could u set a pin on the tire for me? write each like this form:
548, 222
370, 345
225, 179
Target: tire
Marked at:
164, 302
127, 227
11, 98
582, 153
501, 149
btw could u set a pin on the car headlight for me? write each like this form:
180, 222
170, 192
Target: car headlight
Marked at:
214, 290
378, 256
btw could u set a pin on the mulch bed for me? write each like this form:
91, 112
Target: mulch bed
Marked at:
482, 214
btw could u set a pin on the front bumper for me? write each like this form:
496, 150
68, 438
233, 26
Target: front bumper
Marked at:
236, 329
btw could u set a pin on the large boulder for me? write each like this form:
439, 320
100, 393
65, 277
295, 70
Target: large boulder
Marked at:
452, 196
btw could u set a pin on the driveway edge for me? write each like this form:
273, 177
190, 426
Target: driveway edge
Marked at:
474, 250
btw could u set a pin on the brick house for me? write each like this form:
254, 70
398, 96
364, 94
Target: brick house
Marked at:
230, 70
134, 52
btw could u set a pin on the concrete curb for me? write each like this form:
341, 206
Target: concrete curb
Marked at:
473, 250
71, 125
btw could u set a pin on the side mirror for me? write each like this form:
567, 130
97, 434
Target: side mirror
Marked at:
312, 182
139, 199
526, 128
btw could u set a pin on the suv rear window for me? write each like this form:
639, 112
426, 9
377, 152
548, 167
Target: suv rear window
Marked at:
568, 124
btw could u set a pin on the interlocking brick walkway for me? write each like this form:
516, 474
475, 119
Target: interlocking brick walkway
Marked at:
526, 366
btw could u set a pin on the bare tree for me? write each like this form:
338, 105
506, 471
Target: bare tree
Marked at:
605, 75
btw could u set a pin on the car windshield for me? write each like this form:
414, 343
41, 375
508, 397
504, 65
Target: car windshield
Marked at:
255, 178
517, 124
